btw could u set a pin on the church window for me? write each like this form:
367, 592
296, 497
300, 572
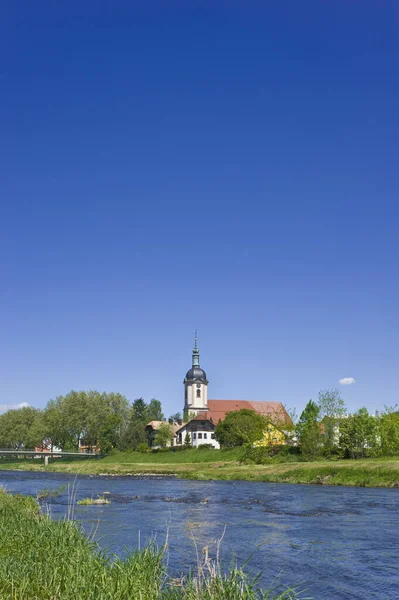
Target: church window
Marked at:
198, 393
194, 436
205, 436
200, 436
213, 436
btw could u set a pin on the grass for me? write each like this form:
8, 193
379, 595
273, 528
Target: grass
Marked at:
192, 456
41, 559
224, 465
94, 501
47, 494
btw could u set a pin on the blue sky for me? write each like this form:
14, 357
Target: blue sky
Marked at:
230, 167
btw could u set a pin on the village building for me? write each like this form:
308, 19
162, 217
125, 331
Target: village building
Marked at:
201, 414
153, 426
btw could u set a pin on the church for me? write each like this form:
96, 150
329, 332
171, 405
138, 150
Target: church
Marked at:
201, 414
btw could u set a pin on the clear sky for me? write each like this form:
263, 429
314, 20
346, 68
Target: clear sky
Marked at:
226, 166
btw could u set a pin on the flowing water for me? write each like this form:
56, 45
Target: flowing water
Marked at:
335, 542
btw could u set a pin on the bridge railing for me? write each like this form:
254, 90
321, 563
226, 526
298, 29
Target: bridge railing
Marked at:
20, 453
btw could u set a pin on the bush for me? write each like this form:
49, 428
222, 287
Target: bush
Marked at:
257, 456
260, 455
143, 448
206, 447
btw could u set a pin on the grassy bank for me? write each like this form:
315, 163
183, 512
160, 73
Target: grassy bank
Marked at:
225, 465
41, 559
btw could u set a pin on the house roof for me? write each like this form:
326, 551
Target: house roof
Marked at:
156, 425
218, 409
199, 417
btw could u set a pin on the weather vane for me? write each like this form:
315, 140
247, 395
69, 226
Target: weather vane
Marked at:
195, 339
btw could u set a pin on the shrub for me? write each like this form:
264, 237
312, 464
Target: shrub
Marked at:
143, 448
256, 455
260, 455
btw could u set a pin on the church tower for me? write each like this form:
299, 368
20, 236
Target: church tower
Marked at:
195, 386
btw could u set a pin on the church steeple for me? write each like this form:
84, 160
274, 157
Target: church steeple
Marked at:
195, 385
196, 356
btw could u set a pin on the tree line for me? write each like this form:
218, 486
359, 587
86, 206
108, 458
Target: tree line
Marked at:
324, 429
109, 421
81, 419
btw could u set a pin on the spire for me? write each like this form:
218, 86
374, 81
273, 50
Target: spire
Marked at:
195, 352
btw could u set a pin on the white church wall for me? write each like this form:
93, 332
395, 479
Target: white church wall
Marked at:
189, 395
203, 437
200, 403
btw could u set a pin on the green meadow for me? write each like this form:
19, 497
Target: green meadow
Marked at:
210, 464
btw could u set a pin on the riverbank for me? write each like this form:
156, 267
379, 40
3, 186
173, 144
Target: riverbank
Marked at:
42, 559
225, 465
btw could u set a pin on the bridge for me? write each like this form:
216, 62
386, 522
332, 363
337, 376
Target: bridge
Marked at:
46, 454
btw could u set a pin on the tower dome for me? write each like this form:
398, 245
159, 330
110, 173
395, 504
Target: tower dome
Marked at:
196, 374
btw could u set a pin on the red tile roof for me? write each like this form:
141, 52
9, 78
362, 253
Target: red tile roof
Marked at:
219, 408
204, 416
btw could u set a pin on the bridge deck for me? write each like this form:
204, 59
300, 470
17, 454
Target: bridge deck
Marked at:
46, 453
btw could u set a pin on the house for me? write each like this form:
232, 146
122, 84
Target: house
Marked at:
152, 428
272, 436
200, 429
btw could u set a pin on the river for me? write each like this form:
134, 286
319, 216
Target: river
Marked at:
334, 542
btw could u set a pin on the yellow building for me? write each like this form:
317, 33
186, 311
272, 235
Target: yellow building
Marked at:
272, 436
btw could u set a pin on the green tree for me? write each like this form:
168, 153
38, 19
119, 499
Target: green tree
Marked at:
332, 409
309, 414
134, 433
139, 410
116, 411
187, 439
88, 418
359, 435
133, 436
389, 431
312, 441
240, 427
163, 435
154, 411
67, 418
55, 423
308, 431
140, 414
22, 428
176, 416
